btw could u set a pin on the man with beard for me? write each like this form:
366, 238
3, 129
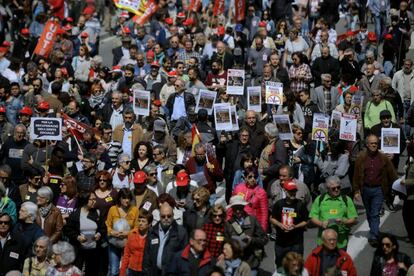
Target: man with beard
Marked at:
209, 166
165, 168
218, 77
121, 51
159, 137
6, 129
85, 179
221, 54
165, 239
144, 198
35, 88
325, 64
12, 152
128, 80
112, 112
128, 133
141, 39
72, 110
139, 65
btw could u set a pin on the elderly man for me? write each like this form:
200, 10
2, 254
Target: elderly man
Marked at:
128, 133
179, 102
222, 54
374, 108
370, 82
273, 156
373, 176
194, 259
328, 257
112, 112
326, 96
370, 59
164, 166
159, 136
325, 64
165, 239
334, 210
256, 130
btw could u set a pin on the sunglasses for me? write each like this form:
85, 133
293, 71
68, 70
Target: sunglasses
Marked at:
166, 216
250, 177
4, 222
217, 215
336, 188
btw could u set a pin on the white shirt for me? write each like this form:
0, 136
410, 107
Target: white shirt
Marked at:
116, 117
178, 108
127, 141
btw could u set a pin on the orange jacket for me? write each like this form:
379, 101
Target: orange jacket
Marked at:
133, 252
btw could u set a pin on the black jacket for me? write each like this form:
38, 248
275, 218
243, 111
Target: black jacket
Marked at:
379, 261
117, 54
176, 241
28, 233
327, 65
12, 254
9, 155
189, 101
190, 217
228, 60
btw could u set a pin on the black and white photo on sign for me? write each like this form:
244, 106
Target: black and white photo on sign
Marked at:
44, 128
274, 92
234, 118
235, 82
348, 127
356, 104
390, 140
336, 119
141, 103
222, 116
283, 125
254, 98
206, 100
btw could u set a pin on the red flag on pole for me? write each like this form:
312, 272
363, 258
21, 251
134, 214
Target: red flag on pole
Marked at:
240, 10
77, 128
194, 5
219, 6
47, 39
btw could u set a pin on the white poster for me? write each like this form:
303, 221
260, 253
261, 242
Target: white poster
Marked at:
283, 125
356, 105
336, 119
235, 82
348, 127
274, 92
234, 118
206, 100
44, 128
254, 98
142, 102
222, 117
320, 127
390, 140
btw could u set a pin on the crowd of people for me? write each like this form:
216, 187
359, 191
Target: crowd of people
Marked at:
170, 193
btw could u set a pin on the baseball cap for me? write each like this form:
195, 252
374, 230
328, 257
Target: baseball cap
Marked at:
127, 30
155, 64
25, 31
290, 186
84, 35
3, 50
159, 125
43, 106
140, 177
221, 30
239, 28
188, 22
262, 24
6, 43
150, 53
26, 111
2, 109
169, 21
182, 179
172, 74
181, 15
124, 14
349, 33
116, 68
88, 10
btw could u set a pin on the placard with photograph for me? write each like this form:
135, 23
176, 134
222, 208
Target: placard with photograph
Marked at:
234, 118
142, 102
348, 127
283, 125
356, 105
254, 98
222, 117
206, 100
235, 82
390, 140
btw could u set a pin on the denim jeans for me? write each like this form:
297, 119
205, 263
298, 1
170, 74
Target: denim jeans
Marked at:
380, 21
372, 197
388, 67
114, 260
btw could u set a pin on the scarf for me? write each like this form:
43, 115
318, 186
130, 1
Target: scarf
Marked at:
44, 211
96, 100
231, 267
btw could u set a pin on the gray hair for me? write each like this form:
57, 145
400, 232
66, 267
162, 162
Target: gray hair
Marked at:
48, 244
45, 192
97, 60
149, 168
123, 157
22, 126
326, 231
369, 53
387, 80
66, 252
31, 209
271, 130
326, 76
161, 148
332, 179
6, 168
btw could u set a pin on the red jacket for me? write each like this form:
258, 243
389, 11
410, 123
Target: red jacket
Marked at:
258, 206
133, 252
344, 262
212, 177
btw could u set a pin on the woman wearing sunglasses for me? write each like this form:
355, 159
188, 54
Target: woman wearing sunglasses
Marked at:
121, 175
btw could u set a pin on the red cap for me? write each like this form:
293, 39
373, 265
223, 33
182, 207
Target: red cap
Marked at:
290, 186
2, 109
88, 10
140, 177
172, 74
60, 31
84, 35
116, 68
64, 71
69, 19
6, 43
221, 30
150, 53
3, 50
181, 15
26, 111
372, 36
182, 179
127, 30
388, 37
67, 28
353, 89
43, 106
349, 33
156, 103
124, 14
262, 24
188, 22
169, 21
155, 64
25, 31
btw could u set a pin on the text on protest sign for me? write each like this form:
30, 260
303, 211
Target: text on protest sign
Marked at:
46, 128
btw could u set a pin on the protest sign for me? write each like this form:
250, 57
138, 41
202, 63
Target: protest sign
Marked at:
320, 127
235, 82
254, 98
240, 13
142, 102
206, 100
348, 127
390, 140
234, 118
222, 117
356, 105
274, 92
44, 128
336, 119
47, 39
283, 125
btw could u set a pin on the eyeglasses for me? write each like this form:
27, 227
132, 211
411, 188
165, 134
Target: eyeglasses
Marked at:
103, 180
250, 177
166, 216
373, 143
201, 241
217, 215
299, 133
126, 162
36, 179
153, 174
4, 222
336, 188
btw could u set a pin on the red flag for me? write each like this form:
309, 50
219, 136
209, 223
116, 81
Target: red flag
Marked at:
218, 7
195, 138
47, 39
240, 9
77, 128
150, 9
194, 5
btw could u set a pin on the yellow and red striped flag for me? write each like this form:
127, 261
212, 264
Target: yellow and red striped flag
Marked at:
195, 138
